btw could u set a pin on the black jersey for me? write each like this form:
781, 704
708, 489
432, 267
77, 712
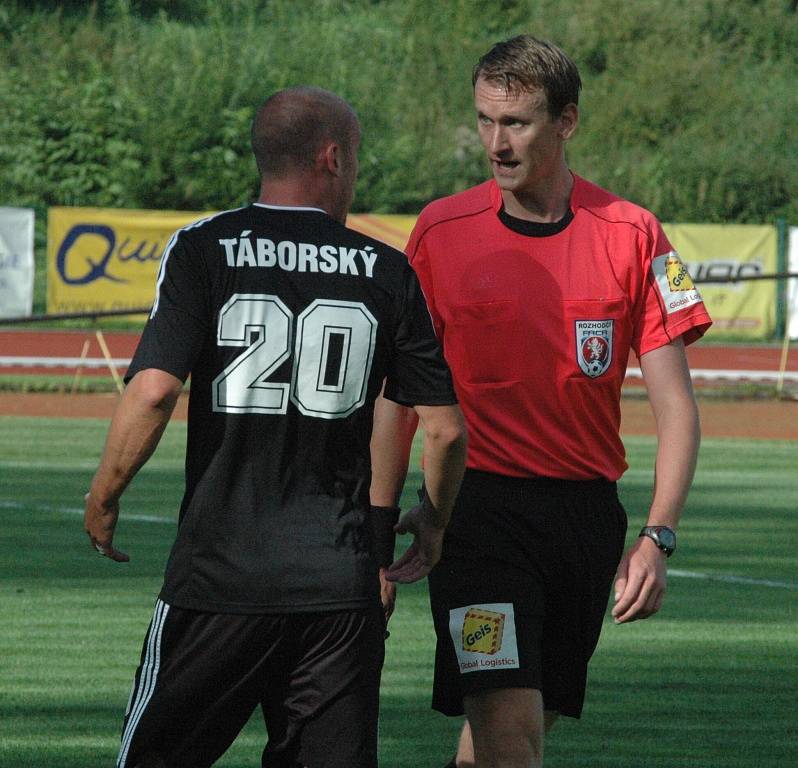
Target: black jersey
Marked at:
288, 323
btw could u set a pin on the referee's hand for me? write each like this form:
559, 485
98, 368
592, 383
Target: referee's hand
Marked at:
387, 595
425, 551
99, 521
640, 582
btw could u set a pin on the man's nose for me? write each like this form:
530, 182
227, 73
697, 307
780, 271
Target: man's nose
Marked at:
498, 139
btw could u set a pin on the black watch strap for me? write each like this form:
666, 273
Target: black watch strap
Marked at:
663, 536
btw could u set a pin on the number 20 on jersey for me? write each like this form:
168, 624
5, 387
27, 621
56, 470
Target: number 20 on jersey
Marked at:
332, 356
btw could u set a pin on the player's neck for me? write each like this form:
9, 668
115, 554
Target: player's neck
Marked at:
295, 192
547, 202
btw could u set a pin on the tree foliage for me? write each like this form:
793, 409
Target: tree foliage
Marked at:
688, 106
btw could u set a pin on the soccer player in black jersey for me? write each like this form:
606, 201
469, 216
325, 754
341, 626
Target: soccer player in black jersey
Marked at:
289, 325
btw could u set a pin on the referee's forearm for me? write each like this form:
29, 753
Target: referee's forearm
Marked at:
670, 393
444, 459
678, 438
391, 441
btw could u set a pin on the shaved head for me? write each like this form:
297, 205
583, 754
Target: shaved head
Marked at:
292, 125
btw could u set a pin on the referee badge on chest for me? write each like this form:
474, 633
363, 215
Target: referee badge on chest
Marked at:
594, 346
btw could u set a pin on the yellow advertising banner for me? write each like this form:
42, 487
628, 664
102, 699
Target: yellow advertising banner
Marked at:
102, 259
745, 309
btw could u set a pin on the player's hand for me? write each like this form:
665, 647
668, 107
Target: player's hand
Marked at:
387, 595
99, 520
640, 582
425, 551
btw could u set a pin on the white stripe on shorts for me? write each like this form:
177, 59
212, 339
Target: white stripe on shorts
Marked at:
147, 679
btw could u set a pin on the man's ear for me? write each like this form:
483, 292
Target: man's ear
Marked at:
569, 119
330, 158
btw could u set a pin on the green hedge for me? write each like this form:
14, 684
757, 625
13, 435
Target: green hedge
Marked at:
689, 106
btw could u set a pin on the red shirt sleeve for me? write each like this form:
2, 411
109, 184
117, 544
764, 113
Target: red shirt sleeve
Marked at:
418, 256
672, 306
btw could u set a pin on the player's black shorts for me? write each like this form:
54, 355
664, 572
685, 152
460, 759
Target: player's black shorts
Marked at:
520, 592
202, 675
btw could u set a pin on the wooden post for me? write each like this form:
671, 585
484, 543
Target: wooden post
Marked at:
109, 360
79, 369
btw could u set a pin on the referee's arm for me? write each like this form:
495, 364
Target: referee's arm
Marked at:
640, 585
444, 464
391, 441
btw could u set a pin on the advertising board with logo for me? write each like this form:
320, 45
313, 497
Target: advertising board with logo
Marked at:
744, 309
100, 259
103, 259
16, 261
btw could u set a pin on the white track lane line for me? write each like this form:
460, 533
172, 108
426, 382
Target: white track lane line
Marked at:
730, 374
21, 361
706, 374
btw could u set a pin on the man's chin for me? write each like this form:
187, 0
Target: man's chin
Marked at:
510, 183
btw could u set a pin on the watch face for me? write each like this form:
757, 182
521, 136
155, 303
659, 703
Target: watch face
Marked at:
667, 538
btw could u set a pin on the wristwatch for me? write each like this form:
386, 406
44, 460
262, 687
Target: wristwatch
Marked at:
662, 536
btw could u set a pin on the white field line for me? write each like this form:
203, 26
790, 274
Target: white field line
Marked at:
88, 464
78, 511
702, 476
714, 476
54, 465
728, 579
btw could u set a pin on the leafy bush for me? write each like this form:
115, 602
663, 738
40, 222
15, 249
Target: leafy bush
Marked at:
688, 107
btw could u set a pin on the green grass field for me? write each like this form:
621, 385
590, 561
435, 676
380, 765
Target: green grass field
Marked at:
711, 682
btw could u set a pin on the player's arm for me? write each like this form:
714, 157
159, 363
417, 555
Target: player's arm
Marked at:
419, 368
391, 441
136, 428
444, 464
640, 584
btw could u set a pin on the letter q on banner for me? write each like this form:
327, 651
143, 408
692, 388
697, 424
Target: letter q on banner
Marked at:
16, 262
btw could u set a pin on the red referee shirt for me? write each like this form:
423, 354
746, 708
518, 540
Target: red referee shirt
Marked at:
537, 329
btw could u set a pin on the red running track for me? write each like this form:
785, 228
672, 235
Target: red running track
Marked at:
57, 345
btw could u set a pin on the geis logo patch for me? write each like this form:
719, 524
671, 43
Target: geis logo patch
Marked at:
594, 346
484, 637
482, 631
674, 282
678, 277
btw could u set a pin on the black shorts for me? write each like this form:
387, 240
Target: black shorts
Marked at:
519, 595
202, 675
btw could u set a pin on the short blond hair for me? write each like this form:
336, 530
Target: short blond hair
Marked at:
525, 63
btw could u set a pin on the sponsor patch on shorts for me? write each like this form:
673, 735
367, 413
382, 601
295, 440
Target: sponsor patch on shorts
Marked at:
674, 282
484, 637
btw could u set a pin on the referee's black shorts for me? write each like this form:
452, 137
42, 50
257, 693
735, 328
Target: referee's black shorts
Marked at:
201, 676
519, 595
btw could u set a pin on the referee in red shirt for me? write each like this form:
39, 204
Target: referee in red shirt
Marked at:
539, 283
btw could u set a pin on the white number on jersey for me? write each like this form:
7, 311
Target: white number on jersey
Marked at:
333, 352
